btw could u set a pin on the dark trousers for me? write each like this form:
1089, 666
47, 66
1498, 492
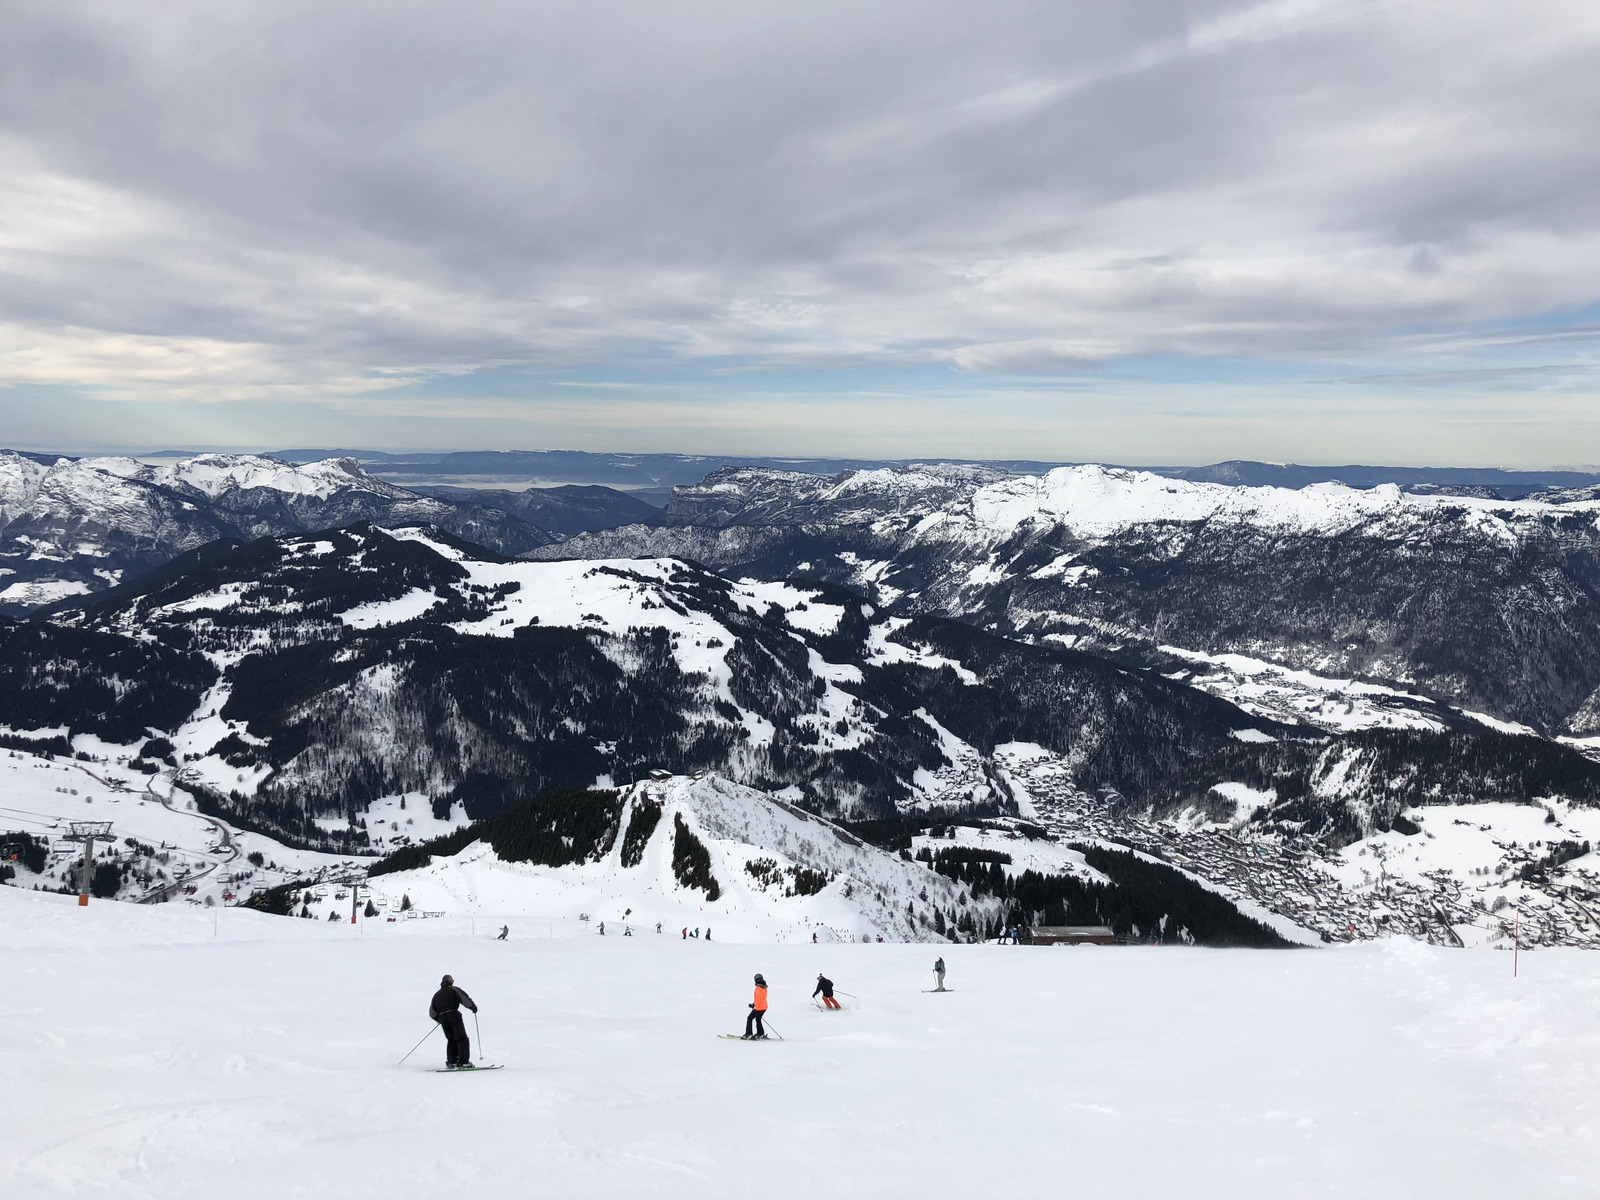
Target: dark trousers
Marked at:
458, 1050
753, 1021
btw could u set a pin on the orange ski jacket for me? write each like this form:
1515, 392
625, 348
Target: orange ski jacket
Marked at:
761, 999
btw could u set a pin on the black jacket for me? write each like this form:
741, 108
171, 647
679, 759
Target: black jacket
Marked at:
449, 999
825, 986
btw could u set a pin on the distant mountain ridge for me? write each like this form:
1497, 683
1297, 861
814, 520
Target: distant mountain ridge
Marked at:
1489, 604
1501, 484
74, 526
657, 473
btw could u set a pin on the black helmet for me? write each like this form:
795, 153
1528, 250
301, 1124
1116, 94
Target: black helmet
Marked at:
446, 981
761, 981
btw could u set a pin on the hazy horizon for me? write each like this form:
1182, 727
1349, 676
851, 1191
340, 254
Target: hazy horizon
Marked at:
272, 450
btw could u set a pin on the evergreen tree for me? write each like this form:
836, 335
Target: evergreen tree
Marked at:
691, 861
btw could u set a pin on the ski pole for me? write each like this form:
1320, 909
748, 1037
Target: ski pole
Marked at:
781, 1038
479, 1032
852, 995
418, 1046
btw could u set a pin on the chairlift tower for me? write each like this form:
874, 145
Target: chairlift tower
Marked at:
355, 883
87, 832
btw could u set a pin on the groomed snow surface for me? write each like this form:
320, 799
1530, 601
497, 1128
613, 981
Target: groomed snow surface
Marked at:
169, 1052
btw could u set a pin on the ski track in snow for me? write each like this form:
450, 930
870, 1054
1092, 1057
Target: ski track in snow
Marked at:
167, 1052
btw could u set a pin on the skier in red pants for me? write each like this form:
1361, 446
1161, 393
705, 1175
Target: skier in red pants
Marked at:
825, 986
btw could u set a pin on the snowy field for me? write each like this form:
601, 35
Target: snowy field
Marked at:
172, 1052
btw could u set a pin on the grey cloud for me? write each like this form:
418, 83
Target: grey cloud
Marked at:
310, 196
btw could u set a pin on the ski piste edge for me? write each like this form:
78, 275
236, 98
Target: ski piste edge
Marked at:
465, 1071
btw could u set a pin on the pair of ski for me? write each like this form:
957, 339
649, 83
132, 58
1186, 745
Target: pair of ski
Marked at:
738, 1037
466, 1070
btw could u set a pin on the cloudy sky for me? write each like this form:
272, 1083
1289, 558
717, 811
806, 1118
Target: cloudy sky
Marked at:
1139, 232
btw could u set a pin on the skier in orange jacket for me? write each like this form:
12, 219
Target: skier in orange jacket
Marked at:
758, 1009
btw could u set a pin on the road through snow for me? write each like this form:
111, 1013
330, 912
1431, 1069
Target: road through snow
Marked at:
147, 1057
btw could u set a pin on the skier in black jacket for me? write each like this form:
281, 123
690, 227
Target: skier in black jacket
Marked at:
445, 1008
825, 986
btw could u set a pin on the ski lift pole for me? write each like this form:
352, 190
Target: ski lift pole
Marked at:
86, 832
418, 1046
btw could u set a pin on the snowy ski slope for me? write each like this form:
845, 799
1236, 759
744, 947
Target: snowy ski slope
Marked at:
165, 1052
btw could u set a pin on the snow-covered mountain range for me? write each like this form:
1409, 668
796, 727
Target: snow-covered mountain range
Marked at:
1273, 690
306, 687
76, 526
321, 671
1486, 604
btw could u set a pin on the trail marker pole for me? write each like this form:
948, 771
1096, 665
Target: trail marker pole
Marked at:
1516, 942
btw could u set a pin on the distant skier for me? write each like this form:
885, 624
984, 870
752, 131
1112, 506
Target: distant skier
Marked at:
658, 926
602, 929
938, 974
813, 937
758, 1010
825, 986
708, 933
686, 933
445, 1008
505, 932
